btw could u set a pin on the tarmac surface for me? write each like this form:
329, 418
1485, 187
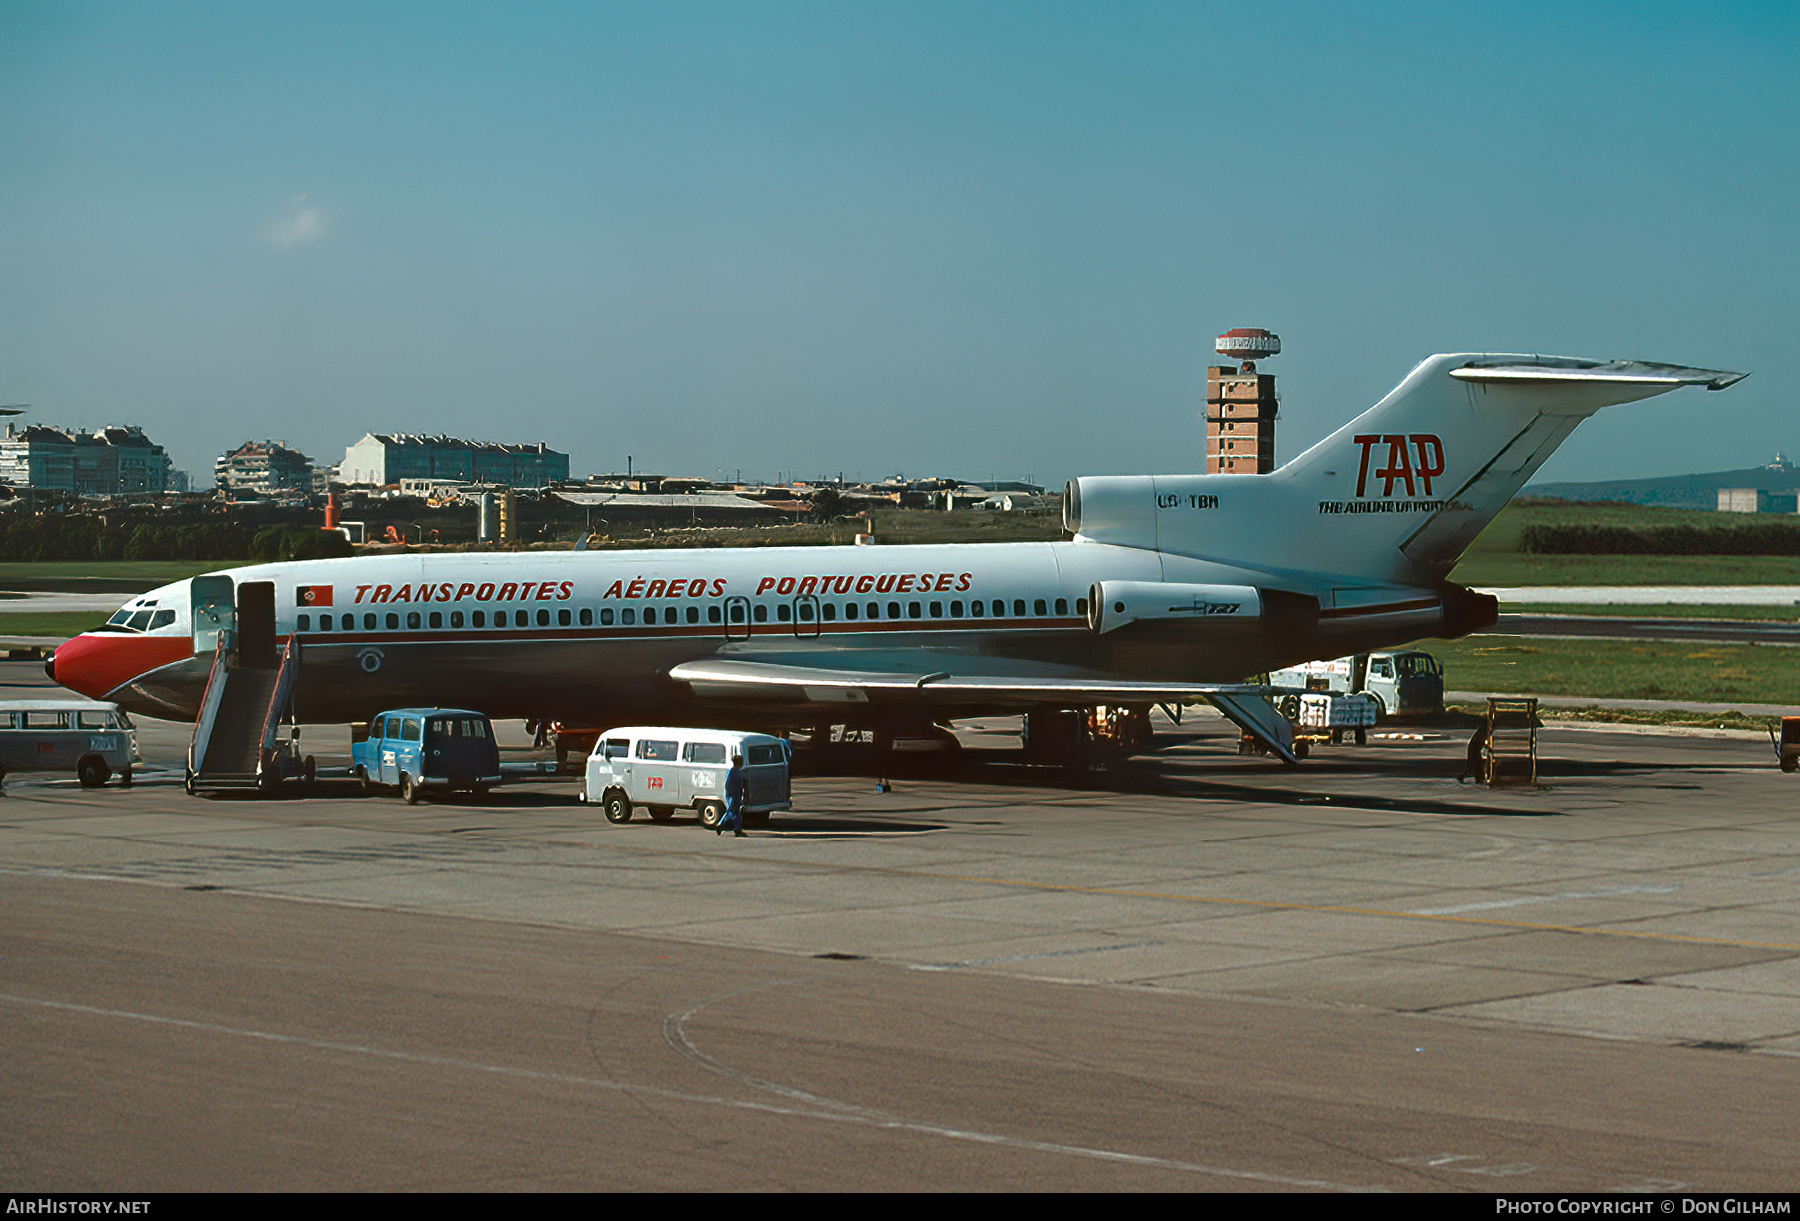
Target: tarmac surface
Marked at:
1204, 972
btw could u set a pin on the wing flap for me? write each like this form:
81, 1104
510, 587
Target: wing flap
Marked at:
1242, 703
731, 672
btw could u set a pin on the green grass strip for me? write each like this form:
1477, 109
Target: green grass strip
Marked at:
1621, 669
60, 624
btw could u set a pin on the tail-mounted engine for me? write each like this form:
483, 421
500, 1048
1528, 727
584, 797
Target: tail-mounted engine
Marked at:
1114, 604
1466, 610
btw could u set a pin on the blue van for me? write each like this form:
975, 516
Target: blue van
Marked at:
417, 749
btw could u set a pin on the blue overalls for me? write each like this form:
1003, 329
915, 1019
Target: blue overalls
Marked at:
734, 800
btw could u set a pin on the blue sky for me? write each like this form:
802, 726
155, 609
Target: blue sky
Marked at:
972, 239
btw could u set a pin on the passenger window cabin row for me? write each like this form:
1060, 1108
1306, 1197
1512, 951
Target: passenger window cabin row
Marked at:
804, 610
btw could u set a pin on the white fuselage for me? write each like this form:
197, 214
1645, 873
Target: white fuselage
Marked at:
1170, 584
587, 636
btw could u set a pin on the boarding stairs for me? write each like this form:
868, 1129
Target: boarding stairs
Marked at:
237, 743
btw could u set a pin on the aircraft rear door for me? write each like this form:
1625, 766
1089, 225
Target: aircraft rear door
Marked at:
806, 616
737, 618
212, 606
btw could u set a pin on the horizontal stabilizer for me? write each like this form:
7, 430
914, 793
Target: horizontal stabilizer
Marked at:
1614, 372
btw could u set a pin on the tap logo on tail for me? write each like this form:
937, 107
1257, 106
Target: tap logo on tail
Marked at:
1402, 450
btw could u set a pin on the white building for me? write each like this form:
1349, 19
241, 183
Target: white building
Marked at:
380, 459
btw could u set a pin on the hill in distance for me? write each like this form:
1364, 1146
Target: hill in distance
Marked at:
1675, 491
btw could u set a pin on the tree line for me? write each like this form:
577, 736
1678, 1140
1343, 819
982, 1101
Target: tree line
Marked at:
86, 538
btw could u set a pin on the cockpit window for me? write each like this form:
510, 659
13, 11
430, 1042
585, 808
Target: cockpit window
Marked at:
119, 616
141, 620
162, 618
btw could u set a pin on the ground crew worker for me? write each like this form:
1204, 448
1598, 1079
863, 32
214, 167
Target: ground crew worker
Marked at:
1477, 750
734, 799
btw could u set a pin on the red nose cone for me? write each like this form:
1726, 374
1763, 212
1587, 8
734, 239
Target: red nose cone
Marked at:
98, 663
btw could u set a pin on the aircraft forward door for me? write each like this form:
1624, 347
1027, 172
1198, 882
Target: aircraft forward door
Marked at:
212, 608
256, 625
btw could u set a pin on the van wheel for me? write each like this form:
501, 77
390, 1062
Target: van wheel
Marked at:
125, 777
93, 772
661, 813
618, 808
712, 813
1380, 706
362, 778
409, 790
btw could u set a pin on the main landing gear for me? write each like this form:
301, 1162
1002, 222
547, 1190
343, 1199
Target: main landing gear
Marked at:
1103, 736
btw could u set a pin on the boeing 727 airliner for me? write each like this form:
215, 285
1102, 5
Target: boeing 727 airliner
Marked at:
1172, 589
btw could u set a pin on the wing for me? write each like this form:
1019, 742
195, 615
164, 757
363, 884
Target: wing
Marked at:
1241, 703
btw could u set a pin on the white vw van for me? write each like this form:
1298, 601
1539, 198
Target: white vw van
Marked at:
662, 769
94, 740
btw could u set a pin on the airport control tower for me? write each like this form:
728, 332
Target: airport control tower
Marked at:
1240, 405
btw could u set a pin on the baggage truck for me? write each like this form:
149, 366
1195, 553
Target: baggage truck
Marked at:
1402, 683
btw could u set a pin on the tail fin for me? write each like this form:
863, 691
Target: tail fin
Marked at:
1396, 495
1431, 464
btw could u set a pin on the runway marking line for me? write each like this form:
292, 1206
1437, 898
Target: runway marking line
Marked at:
1055, 887
674, 1032
1341, 910
818, 1110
